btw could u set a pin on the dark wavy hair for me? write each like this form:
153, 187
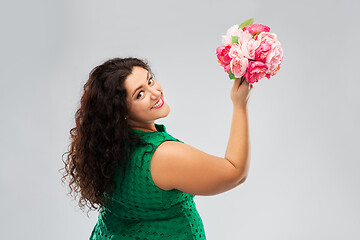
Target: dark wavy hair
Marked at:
98, 140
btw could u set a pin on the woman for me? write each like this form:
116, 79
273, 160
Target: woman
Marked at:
141, 178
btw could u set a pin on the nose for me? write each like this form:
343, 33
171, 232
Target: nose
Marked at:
155, 93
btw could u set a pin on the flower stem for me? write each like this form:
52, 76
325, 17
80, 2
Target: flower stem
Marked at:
242, 79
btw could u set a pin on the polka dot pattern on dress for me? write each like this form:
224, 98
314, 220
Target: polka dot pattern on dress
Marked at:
139, 209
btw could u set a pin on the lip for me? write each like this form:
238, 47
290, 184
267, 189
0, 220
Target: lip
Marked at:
160, 104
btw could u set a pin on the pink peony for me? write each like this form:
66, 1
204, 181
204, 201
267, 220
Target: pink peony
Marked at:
268, 42
226, 68
256, 71
238, 66
248, 47
266, 36
256, 28
235, 51
224, 59
252, 52
222, 54
262, 52
245, 47
269, 52
275, 59
232, 31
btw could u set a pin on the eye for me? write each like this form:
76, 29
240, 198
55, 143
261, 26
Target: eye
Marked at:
151, 81
138, 96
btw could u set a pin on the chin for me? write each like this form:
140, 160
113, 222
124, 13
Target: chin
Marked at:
166, 111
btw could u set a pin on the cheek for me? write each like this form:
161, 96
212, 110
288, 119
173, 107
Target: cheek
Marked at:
138, 108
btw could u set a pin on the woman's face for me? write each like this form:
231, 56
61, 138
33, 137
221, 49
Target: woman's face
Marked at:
145, 99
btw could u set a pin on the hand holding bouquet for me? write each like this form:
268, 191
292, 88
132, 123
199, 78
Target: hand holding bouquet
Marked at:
250, 52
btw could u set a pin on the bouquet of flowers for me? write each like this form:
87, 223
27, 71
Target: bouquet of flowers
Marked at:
250, 52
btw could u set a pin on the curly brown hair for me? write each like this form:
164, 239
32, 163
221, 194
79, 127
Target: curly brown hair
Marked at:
98, 140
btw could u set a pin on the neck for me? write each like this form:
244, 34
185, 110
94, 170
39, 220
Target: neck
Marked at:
144, 129
149, 127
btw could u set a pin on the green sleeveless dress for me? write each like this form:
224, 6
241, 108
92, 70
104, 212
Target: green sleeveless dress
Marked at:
141, 210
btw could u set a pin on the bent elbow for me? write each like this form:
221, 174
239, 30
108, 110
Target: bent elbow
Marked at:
242, 180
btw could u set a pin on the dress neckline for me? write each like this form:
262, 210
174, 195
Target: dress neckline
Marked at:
159, 128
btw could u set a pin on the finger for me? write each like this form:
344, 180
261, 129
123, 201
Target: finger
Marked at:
237, 82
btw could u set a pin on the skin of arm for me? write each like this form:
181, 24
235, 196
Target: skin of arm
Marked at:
238, 148
176, 165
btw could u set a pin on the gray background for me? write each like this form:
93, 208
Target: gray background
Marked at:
304, 177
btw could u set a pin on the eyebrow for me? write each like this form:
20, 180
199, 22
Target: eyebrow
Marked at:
147, 78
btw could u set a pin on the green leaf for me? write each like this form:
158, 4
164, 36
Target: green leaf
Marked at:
235, 39
247, 22
231, 75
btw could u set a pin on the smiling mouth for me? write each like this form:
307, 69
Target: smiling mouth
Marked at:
158, 104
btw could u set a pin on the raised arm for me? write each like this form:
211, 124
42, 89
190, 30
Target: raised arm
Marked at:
176, 165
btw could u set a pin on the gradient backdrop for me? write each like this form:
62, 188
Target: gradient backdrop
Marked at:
304, 122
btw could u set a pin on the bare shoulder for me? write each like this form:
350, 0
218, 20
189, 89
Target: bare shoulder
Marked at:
176, 165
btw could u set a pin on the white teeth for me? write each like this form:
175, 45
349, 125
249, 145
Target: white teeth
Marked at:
156, 105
